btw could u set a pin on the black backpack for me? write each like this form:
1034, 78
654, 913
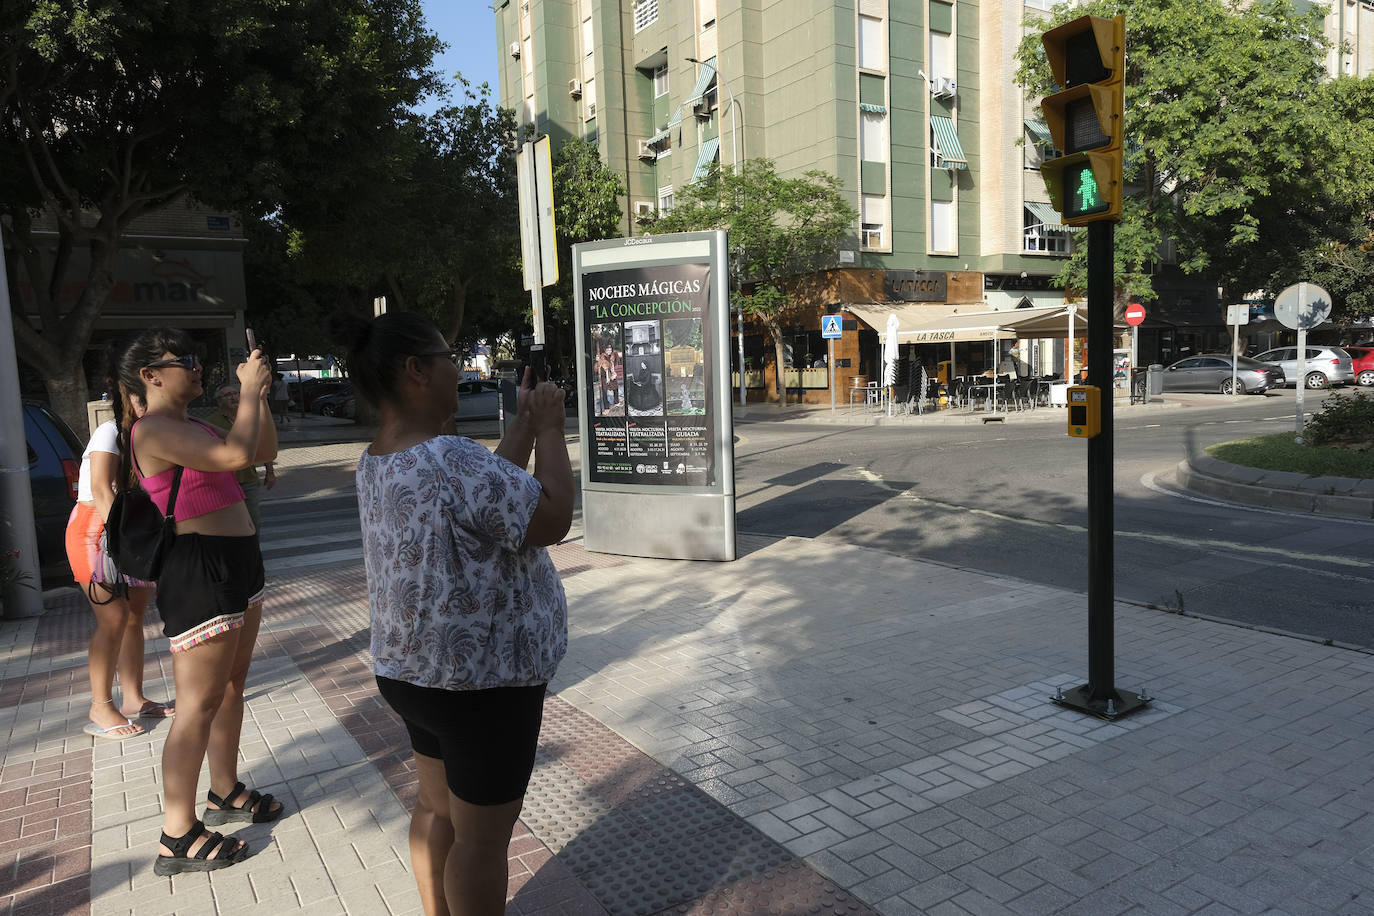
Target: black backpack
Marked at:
138, 536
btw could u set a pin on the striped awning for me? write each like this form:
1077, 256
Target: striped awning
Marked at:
1046, 213
659, 137
709, 149
1041, 132
949, 153
704, 79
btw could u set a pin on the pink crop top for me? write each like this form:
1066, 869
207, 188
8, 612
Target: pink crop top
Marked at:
201, 492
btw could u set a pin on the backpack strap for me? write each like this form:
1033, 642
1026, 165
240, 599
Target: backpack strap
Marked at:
172, 497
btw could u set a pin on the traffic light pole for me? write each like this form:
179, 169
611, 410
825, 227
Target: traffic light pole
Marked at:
1099, 696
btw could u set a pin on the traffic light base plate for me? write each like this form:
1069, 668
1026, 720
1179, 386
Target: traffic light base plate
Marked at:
1111, 706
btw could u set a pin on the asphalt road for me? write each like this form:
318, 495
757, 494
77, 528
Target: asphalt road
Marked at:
1013, 500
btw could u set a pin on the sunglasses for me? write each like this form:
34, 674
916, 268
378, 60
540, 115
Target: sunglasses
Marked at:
453, 356
188, 362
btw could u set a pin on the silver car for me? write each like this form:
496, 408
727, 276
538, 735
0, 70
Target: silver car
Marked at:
1324, 365
1212, 372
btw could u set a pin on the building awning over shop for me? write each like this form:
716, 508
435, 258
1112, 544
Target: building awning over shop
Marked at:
1044, 212
936, 323
949, 153
909, 314
709, 148
1051, 321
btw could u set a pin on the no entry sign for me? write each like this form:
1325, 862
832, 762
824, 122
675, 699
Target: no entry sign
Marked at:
1135, 314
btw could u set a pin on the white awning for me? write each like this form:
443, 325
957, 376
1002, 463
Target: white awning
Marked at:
1048, 216
915, 319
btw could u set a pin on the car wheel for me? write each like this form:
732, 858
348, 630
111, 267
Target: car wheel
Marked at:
1228, 386
1365, 378
1316, 380
328, 410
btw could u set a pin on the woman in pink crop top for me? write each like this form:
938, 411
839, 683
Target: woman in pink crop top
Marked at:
210, 590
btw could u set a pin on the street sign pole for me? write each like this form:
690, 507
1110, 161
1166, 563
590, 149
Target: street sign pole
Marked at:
830, 366
1302, 307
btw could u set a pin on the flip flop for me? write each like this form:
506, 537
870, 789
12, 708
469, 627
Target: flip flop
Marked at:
155, 710
95, 731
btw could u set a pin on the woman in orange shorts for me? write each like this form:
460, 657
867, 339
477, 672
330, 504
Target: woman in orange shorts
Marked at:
119, 602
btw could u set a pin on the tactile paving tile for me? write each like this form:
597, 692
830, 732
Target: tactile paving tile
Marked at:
671, 870
792, 889
558, 807
683, 812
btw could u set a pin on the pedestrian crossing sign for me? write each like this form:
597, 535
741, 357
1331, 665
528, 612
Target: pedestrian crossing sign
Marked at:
830, 327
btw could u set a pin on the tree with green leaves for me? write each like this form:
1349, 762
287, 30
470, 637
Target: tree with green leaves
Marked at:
587, 207
119, 108
430, 220
1221, 136
779, 229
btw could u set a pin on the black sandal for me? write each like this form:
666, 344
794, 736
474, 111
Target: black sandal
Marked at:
179, 861
225, 813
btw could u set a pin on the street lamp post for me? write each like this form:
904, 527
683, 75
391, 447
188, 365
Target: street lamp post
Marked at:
734, 164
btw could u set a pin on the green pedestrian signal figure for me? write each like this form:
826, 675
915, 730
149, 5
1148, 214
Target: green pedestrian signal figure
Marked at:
1088, 199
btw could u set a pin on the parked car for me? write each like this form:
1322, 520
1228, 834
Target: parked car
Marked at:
304, 393
478, 399
1362, 364
330, 404
1324, 365
1212, 372
54, 472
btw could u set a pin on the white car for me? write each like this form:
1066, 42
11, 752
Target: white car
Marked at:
1324, 365
478, 399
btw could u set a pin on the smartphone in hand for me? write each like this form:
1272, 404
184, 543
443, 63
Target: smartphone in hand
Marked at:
252, 340
538, 370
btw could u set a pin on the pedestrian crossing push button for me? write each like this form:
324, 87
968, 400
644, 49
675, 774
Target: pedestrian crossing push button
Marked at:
1085, 411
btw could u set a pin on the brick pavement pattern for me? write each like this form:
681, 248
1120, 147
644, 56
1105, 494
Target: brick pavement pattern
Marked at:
813, 728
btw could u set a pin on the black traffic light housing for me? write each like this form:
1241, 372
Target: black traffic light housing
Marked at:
1086, 118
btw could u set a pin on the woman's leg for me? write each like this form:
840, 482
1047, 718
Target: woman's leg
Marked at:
227, 728
200, 674
431, 835
477, 872
104, 650
131, 697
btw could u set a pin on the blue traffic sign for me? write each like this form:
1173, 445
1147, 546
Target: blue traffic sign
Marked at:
830, 327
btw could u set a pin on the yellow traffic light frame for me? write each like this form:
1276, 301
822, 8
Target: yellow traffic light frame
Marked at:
1108, 103
1106, 169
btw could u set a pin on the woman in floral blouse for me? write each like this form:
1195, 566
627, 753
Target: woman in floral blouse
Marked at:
469, 621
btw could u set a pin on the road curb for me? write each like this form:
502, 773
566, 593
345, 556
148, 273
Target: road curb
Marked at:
1341, 497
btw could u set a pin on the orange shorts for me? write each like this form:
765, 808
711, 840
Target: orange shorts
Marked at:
86, 549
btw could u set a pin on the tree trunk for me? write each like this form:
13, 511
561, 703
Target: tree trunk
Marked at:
776, 330
67, 395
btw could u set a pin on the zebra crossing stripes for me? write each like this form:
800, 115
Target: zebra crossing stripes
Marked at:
309, 532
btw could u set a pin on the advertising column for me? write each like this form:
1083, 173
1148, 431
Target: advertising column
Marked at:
652, 327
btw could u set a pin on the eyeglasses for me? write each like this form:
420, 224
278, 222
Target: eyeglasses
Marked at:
188, 362
453, 356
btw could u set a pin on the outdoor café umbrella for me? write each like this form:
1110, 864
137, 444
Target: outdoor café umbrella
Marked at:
890, 358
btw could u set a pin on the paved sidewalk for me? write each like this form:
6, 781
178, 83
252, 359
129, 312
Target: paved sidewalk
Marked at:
812, 728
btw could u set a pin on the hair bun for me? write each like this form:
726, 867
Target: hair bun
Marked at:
350, 330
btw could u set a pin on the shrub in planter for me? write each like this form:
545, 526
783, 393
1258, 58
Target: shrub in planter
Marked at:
1344, 421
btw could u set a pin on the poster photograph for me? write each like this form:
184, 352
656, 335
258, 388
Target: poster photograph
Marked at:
608, 381
649, 383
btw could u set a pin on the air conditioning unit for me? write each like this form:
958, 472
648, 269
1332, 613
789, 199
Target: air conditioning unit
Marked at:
943, 87
647, 151
644, 211
575, 88
514, 49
